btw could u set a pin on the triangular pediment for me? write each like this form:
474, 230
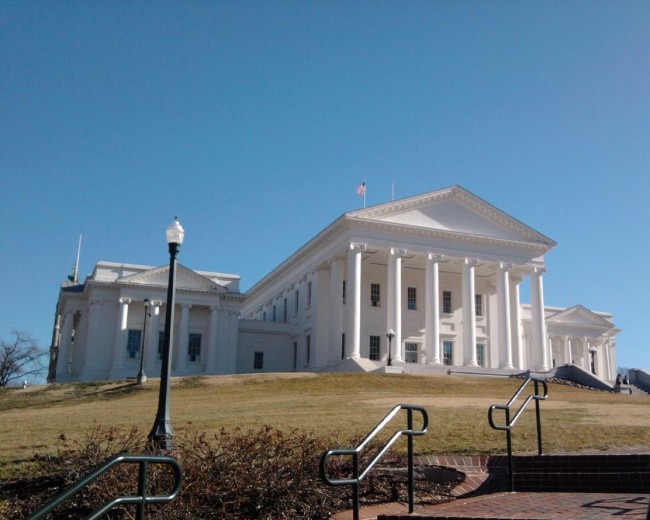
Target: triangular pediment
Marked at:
185, 279
453, 210
579, 316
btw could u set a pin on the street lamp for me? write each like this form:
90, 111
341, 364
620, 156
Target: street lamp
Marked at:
161, 434
141, 375
390, 335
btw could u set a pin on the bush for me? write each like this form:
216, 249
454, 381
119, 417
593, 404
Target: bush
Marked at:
235, 474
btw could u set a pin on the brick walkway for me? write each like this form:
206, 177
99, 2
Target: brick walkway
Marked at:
522, 506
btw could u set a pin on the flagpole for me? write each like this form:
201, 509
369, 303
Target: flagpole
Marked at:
365, 183
76, 266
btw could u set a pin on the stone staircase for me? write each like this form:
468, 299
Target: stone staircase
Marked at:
628, 473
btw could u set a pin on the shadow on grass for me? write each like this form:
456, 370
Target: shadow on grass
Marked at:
107, 393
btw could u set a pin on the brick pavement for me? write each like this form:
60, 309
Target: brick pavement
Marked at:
530, 506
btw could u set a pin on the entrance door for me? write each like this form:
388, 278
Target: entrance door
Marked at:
411, 352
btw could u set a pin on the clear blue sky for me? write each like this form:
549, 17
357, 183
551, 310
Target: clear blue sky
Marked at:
254, 122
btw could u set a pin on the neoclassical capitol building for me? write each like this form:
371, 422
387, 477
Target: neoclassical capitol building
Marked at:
428, 282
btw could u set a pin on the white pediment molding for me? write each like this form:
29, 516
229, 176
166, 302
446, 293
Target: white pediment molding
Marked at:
186, 279
453, 213
581, 317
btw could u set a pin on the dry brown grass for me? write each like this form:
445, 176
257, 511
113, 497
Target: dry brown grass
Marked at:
342, 405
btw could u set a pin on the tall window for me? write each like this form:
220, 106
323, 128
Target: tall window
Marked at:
411, 297
374, 347
194, 347
297, 302
295, 356
343, 346
480, 354
284, 318
161, 342
374, 294
446, 302
133, 343
478, 299
343, 292
258, 360
308, 294
447, 352
308, 349
274, 311
264, 316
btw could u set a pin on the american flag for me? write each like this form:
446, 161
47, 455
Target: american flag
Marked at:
361, 190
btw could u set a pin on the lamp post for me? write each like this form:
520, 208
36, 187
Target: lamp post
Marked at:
141, 375
161, 434
390, 335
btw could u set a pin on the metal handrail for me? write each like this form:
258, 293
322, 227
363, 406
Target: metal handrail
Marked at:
357, 474
141, 499
510, 422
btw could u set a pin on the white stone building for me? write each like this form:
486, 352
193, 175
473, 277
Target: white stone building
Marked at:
441, 270
99, 324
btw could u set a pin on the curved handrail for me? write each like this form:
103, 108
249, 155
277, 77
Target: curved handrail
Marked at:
510, 422
358, 474
141, 499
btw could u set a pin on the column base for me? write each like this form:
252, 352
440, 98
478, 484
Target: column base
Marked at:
507, 366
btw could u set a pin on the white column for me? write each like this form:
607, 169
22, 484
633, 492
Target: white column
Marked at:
516, 336
336, 309
119, 345
63, 359
432, 310
353, 337
538, 318
233, 331
183, 338
469, 313
586, 364
151, 347
503, 315
567, 350
394, 303
212, 344
608, 361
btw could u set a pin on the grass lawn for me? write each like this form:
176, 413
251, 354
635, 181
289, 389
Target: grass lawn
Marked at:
343, 405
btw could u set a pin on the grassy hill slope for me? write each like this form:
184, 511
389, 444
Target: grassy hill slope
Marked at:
345, 406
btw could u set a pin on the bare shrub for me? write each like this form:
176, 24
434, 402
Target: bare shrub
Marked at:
263, 474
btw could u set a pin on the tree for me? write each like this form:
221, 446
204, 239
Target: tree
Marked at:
19, 357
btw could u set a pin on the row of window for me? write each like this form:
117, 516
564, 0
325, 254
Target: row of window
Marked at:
134, 344
375, 301
411, 351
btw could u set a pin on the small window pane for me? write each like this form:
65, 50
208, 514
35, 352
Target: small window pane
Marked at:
446, 302
447, 352
374, 347
374, 294
412, 299
258, 361
133, 343
194, 348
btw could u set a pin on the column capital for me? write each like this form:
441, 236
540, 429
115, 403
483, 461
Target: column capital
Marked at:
125, 301
355, 247
394, 251
538, 270
505, 266
471, 262
156, 303
435, 257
